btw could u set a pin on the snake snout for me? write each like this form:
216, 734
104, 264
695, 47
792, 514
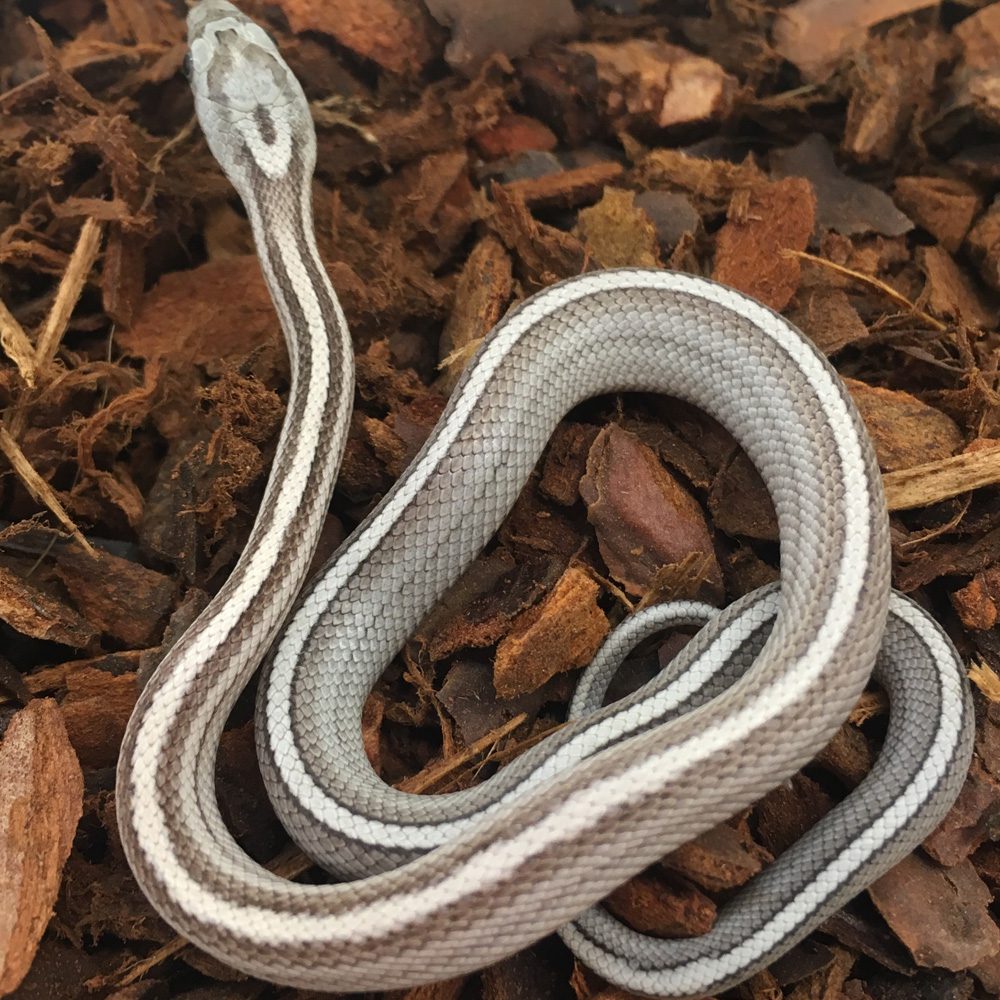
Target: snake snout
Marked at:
207, 12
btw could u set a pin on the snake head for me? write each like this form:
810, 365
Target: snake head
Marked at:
251, 107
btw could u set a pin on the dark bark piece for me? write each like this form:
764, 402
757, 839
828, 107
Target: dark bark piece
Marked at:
566, 462
243, 798
41, 800
643, 518
964, 558
546, 253
891, 81
450, 989
512, 28
528, 975
479, 607
788, 812
740, 504
561, 89
869, 936
843, 204
484, 289
847, 755
534, 526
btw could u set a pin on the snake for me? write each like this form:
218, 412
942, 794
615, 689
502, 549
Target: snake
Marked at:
429, 887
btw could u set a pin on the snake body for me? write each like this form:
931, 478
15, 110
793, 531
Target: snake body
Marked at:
450, 883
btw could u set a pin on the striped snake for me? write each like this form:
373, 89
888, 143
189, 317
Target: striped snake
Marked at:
446, 884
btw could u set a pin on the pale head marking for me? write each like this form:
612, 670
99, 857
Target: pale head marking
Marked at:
251, 108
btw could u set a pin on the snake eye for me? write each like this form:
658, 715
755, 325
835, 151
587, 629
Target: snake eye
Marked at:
187, 67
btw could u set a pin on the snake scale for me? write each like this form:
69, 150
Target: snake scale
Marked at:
440, 885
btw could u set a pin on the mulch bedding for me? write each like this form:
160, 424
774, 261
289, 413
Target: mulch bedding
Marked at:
837, 159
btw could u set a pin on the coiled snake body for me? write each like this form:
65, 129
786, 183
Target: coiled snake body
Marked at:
454, 882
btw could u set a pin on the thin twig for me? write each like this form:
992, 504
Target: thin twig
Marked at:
17, 345
867, 279
68, 294
39, 488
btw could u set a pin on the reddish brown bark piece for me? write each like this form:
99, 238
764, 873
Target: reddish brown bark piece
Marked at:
545, 252
28, 610
815, 34
717, 860
219, 310
392, 33
514, 134
508, 26
567, 188
484, 289
969, 822
983, 242
662, 906
950, 294
827, 318
979, 35
480, 606
962, 558
940, 914
905, 431
96, 710
786, 813
563, 632
890, 80
643, 518
943, 206
119, 597
762, 222
659, 84
41, 800
978, 602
